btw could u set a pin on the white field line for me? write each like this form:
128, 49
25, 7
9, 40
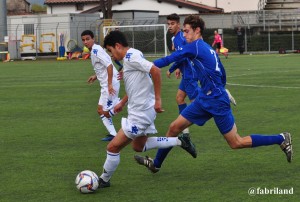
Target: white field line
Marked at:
263, 86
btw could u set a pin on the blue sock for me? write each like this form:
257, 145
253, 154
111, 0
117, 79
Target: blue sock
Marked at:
182, 107
160, 156
264, 140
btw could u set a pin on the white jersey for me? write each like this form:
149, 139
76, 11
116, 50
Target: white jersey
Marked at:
138, 82
100, 61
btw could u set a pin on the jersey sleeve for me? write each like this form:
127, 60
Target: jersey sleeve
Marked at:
186, 51
138, 61
104, 58
176, 65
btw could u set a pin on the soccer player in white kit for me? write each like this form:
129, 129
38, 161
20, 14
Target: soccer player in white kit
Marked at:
142, 82
106, 74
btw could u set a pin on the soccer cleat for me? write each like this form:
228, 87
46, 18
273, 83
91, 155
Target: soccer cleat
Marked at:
231, 98
103, 184
187, 145
108, 138
286, 146
146, 161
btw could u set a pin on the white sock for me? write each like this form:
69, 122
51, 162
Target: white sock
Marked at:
111, 163
108, 123
186, 130
161, 142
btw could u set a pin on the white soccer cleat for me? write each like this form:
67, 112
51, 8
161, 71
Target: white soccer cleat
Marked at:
231, 98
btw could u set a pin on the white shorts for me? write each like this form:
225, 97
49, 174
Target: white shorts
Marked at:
139, 124
108, 101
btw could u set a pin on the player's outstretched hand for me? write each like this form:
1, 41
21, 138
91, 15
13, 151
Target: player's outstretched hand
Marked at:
91, 79
120, 75
177, 73
158, 108
111, 90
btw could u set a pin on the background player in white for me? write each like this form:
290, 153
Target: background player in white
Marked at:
106, 74
142, 82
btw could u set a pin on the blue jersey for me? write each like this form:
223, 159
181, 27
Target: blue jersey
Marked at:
184, 65
207, 64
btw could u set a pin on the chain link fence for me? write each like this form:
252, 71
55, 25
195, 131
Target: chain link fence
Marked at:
242, 32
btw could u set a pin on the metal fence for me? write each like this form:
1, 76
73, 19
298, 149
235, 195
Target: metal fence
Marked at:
250, 31
267, 31
41, 39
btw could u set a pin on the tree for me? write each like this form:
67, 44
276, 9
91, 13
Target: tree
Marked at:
106, 6
36, 8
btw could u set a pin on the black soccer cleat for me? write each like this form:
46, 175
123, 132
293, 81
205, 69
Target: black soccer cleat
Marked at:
187, 144
146, 161
103, 184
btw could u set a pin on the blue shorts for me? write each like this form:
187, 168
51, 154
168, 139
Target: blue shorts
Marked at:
190, 87
202, 109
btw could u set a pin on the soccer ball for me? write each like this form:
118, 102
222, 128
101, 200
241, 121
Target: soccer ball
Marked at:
87, 181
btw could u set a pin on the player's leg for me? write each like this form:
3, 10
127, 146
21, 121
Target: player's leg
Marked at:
105, 110
108, 123
180, 99
165, 144
235, 141
163, 152
142, 143
218, 47
192, 114
113, 157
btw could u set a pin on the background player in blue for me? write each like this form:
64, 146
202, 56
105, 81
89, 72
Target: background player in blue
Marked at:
188, 85
212, 100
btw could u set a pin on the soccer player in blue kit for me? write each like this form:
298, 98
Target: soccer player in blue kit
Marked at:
212, 100
189, 83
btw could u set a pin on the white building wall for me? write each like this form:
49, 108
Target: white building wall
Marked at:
47, 29
153, 5
231, 5
68, 8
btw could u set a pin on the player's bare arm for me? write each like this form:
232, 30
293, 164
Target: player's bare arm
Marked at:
91, 79
109, 79
119, 107
156, 77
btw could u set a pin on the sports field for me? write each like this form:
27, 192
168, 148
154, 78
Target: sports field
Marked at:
50, 131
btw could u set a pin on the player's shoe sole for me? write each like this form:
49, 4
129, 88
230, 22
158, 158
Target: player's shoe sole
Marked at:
286, 146
146, 161
103, 184
108, 138
187, 144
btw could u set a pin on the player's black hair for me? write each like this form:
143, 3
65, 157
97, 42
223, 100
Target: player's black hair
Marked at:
195, 21
173, 17
115, 37
88, 32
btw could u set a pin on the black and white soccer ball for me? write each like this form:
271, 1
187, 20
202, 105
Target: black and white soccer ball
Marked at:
87, 181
